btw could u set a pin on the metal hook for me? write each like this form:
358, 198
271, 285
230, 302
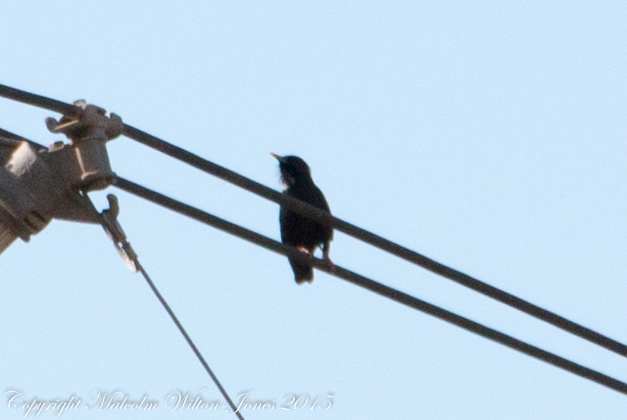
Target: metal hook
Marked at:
117, 235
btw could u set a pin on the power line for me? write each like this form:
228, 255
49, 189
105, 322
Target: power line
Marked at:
38, 100
393, 248
339, 224
371, 285
109, 221
10, 139
382, 243
189, 341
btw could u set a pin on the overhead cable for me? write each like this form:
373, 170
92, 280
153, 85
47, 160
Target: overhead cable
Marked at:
371, 285
10, 139
202, 360
109, 221
318, 215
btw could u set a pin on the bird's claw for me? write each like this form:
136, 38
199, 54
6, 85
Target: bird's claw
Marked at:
329, 264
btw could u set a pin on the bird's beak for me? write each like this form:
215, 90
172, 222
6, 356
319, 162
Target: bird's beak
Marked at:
279, 158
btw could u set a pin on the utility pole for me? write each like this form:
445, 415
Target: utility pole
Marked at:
38, 184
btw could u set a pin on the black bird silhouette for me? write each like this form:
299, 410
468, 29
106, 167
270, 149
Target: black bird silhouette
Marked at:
296, 230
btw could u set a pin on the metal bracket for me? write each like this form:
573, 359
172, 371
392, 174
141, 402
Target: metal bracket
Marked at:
88, 132
117, 235
39, 184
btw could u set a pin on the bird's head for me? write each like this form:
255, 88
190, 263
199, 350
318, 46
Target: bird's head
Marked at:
293, 169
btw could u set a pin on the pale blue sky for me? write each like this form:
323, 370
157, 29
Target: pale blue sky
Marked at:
490, 136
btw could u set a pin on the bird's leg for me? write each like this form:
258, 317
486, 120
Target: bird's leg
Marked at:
326, 247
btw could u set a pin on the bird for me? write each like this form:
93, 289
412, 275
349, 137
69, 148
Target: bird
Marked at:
300, 231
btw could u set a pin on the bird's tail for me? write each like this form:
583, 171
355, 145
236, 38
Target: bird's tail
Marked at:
302, 272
